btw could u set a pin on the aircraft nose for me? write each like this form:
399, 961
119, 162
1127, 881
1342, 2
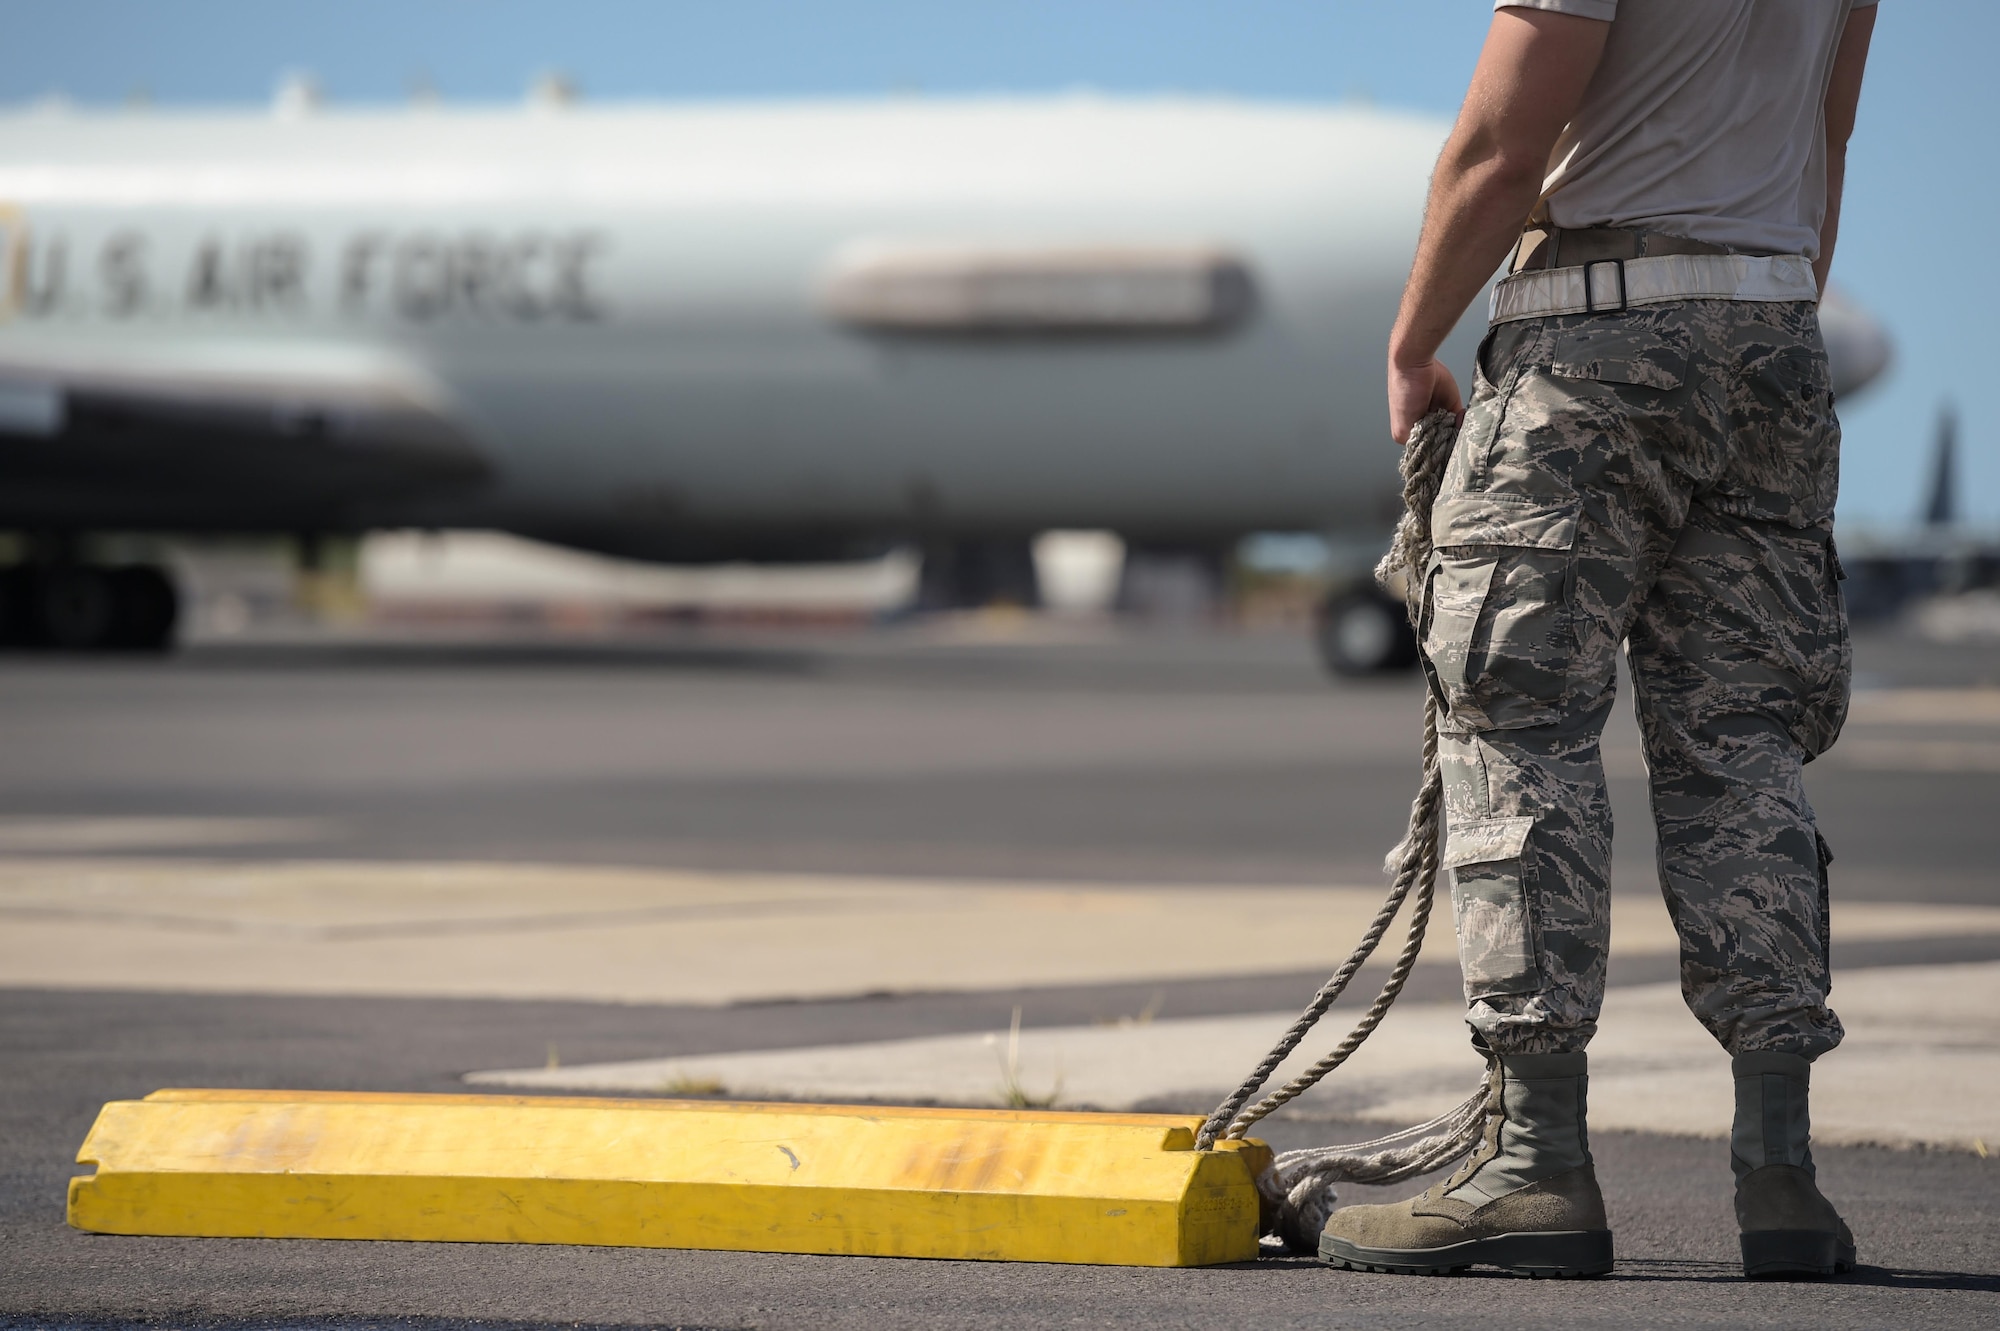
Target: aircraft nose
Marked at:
1858, 348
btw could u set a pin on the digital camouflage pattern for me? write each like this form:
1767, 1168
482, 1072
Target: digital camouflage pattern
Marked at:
1663, 476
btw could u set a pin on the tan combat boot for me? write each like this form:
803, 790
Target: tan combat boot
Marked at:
1527, 1201
1789, 1229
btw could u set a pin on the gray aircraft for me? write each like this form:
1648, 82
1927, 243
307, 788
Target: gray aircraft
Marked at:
752, 332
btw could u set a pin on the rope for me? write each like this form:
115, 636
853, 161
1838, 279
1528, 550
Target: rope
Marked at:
1298, 1184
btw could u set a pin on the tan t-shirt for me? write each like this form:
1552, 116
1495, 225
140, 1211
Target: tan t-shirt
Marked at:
1705, 119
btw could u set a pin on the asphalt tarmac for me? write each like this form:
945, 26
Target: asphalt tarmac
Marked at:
997, 751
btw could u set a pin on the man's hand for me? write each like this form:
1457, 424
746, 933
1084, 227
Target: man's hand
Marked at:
1531, 78
1415, 393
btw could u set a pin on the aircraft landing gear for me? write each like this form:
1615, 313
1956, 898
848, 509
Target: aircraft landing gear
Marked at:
1174, 584
84, 608
1363, 632
972, 574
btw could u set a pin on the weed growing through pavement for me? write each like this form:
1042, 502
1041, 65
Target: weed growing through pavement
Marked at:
1145, 1015
682, 1084
1012, 1093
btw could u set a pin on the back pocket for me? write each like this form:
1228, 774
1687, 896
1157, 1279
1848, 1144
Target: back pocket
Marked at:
1612, 354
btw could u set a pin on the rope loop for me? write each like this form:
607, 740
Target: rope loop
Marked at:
1298, 1183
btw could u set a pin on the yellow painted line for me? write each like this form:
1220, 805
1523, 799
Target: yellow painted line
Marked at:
993, 1185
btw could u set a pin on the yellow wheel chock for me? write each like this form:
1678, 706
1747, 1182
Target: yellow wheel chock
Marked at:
879, 1181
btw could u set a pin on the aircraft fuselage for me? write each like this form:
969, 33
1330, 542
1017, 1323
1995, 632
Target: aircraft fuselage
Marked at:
618, 324
694, 333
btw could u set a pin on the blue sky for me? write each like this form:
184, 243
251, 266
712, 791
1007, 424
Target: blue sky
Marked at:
1916, 247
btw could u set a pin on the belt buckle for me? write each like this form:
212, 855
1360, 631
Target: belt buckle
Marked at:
1590, 306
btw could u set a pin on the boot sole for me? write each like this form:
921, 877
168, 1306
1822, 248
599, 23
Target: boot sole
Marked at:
1553, 1255
1775, 1253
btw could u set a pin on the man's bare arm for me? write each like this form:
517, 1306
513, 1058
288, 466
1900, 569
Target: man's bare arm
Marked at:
1843, 96
1531, 78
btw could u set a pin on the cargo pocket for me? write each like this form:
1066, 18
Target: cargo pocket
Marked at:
1496, 627
1489, 894
1829, 681
1454, 595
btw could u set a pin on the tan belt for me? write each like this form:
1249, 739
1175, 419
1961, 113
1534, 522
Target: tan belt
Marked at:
1607, 286
1545, 246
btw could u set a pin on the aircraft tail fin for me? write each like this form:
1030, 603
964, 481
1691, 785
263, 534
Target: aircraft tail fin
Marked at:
1941, 505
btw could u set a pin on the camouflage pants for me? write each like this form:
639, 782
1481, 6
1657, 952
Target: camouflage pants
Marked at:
1662, 477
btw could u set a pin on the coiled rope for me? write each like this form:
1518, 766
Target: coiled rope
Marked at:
1298, 1187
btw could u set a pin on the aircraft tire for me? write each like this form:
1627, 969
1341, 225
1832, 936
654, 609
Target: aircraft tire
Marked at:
75, 608
17, 609
146, 608
1363, 632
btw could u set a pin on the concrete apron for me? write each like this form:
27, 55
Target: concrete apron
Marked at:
1920, 1066
473, 930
